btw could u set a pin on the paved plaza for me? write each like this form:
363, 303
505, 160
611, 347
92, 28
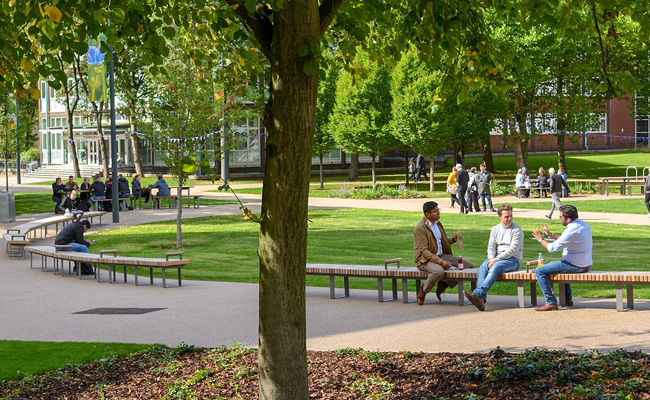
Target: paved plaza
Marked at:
41, 306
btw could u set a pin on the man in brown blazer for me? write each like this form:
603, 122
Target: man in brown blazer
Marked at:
433, 251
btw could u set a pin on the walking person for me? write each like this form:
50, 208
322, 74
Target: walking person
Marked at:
556, 183
452, 186
421, 164
433, 251
412, 169
505, 253
472, 190
485, 187
462, 179
576, 244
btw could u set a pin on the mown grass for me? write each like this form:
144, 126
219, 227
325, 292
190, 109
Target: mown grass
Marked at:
634, 205
224, 248
22, 358
41, 202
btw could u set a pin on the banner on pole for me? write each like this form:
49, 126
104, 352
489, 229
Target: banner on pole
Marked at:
97, 70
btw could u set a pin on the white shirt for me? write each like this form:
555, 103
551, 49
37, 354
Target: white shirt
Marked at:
437, 234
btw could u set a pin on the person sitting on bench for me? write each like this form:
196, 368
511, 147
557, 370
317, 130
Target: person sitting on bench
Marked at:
433, 251
73, 235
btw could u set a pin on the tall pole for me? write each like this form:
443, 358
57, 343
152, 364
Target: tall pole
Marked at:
47, 121
17, 148
222, 142
116, 200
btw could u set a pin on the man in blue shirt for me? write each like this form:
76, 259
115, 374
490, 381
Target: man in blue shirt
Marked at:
163, 187
576, 245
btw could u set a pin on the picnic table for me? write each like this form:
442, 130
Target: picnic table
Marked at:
539, 189
626, 182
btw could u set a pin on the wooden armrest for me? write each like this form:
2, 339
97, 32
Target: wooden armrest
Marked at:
102, 252
529, 263
392, 261
175, 253
12, 230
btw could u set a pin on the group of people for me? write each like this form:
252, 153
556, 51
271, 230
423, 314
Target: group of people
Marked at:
504, 253
465, 187
522, 180
78, 198
417, 168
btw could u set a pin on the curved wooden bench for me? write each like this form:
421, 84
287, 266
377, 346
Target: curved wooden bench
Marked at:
620, 279
18, 237
112, 262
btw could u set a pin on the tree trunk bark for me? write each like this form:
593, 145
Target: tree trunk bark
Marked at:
372, 171
486, 148
406, 163
102, 145
73, 146
179, 214
135, 144
353, 174
322, 182
282, 246
431, 174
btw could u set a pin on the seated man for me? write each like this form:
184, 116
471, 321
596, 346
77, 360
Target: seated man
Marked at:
137, 193
73, 234
123, 190
433, 251
505, 253
99, 191
576, 245
162, 186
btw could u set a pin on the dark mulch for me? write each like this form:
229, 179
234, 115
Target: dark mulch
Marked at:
231, 373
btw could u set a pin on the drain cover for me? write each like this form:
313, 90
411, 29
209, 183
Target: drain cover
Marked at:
119, 311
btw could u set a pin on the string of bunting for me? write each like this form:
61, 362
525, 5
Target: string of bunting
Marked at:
173, 140
570, 133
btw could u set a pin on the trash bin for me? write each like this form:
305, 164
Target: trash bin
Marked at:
7, 206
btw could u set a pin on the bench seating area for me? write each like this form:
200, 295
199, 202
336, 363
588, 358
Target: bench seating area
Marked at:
109, 259
619, 279
21, 235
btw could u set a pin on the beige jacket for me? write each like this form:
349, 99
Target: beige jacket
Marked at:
426, 246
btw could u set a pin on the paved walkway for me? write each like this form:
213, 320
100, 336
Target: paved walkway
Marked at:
42, 306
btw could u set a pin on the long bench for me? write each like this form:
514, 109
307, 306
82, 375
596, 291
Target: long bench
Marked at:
620, 279
111, 261
21, 235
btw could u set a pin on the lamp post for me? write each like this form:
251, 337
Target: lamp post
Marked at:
17, 148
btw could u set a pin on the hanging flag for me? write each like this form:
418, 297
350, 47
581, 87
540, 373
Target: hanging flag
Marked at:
97, 70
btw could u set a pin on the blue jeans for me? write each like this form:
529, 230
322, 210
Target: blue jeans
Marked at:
487, 276
56, 199
489, 197
101, 205
82, 248
555, 267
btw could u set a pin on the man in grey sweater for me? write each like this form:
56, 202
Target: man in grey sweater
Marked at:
504, 254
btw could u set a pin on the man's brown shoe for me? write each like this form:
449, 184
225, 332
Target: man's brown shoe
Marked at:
442, 286
569, 303
474, 299
421, 296
547, 307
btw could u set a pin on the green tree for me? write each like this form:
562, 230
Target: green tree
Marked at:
360, 119
323, 139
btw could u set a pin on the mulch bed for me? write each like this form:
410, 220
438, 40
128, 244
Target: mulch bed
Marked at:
186, 372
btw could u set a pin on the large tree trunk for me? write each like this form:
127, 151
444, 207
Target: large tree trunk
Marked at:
486, 148
73, 146
135, 144
282, 246
353, 174
320, 171
372, 171
432, 172
406, 163
519, 144
102, 144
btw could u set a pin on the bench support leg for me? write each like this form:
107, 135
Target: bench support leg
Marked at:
562, 294
164, 279
179, 277
520, 294
630, 296
619, 297
380, 290
533, 294
461, 295
346, 283
136, 274
405, 291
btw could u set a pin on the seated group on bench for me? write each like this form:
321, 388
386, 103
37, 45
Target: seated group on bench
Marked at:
504, 254
73, 235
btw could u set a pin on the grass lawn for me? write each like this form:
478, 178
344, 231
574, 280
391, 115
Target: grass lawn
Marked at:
20, 358
41, 202
223, 248
634, 205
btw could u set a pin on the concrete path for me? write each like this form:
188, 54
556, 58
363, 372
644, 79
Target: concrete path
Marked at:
38, 305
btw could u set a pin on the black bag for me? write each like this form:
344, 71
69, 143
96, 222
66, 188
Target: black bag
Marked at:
87, 269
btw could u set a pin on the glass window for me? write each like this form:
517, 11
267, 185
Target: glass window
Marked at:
642, 126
